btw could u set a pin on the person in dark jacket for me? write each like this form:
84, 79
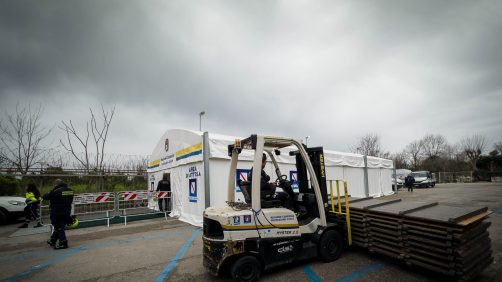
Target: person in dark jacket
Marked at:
409, 181
164, 186
61, 198
268, 189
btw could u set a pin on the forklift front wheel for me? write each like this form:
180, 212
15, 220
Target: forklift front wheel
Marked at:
330, 246
246, 269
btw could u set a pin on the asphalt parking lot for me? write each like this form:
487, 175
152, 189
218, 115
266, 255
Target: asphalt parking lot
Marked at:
160, 250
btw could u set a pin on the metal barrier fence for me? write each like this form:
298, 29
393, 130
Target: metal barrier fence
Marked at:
135, 203
106, 205
455, 177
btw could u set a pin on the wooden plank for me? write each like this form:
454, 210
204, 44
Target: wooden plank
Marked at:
474, 219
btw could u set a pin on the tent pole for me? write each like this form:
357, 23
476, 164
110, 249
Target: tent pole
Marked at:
207, 194
366, 183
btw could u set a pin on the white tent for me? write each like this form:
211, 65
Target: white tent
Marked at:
197, 172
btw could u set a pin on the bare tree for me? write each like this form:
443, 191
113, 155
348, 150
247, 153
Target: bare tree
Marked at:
415, 150
433, 145
473, 146
498, 147
400, 160
76, 141
3, 160
369, 145
21, 136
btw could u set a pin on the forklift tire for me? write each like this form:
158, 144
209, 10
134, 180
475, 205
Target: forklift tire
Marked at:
330, 246
246, 269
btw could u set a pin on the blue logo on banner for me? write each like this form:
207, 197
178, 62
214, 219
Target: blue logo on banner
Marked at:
237, 220
241, 174
293, 177
192, 193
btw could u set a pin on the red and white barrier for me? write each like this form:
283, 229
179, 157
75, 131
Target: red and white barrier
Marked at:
90, 198
162, 195
104, 197
135, 195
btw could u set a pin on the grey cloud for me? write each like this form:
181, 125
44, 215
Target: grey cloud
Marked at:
332, 70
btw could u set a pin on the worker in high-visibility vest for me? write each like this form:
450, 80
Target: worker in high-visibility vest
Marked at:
32, 206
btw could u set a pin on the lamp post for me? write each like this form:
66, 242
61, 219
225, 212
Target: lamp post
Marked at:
200, 119
307, 140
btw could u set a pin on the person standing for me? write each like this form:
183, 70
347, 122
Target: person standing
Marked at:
409, 181
164, 185
61, 198
32, 206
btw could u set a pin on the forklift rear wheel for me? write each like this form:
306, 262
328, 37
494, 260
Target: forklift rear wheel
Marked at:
330, 246
246, 269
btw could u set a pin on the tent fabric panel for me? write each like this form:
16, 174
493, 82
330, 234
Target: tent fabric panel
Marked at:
187, 186
386, 180
374, 162
355, 181
374, 183
334, 158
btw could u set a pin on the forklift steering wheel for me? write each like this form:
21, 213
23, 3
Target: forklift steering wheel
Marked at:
281, 178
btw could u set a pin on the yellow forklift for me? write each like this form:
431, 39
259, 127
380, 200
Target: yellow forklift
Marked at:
245, 238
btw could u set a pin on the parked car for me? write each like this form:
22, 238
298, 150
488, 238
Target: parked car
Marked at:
400, 175
423, 179
11, 208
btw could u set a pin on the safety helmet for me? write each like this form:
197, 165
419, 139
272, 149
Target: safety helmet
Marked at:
73, 222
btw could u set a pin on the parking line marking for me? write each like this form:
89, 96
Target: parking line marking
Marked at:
179, 255
73, 251
42, 265
311, 274
497, 211
89, 246
362, 272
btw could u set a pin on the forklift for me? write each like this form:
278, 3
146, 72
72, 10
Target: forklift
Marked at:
246, 238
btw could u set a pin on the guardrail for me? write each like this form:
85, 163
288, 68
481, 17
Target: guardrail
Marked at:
107, 205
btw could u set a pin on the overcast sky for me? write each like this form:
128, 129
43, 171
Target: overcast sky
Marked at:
333, 70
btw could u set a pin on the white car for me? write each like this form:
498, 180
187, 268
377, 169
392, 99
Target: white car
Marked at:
11, 208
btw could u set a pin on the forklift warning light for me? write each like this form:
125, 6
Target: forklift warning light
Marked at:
237, 143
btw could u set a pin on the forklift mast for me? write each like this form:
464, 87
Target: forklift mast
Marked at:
316, 155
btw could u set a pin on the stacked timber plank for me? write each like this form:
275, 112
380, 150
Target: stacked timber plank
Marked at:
451, 240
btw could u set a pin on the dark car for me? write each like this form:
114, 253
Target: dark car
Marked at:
423, 179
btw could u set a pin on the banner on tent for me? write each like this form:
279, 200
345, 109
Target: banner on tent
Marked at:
193, 174
243, 175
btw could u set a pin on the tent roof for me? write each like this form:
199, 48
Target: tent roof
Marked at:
185, 146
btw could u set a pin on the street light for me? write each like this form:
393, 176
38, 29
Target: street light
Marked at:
307, 140
200, 119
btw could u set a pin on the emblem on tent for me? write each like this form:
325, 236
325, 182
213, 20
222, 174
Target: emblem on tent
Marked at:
166, 145
243, 175
192, 193
293, 176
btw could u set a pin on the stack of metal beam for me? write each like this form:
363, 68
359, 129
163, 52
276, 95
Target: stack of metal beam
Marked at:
447, 239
